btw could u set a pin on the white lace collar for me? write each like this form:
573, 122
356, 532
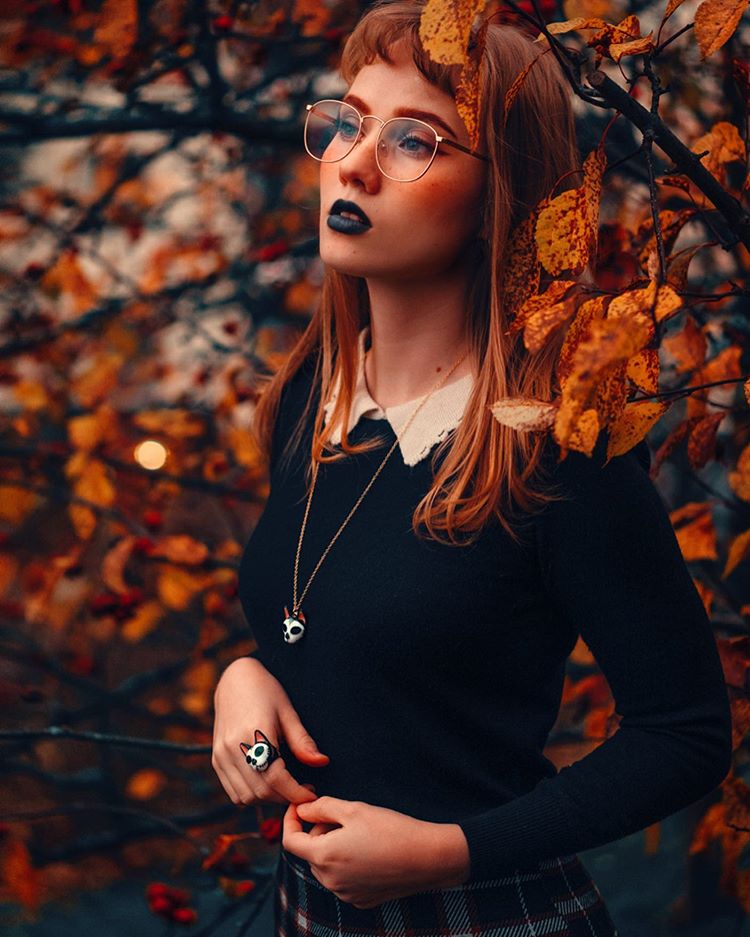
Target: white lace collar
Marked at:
441, 413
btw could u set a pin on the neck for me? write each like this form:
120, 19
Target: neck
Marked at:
409, 354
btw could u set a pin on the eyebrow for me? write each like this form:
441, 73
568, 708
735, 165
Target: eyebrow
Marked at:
404, 112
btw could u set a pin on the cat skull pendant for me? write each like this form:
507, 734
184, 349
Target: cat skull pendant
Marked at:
294, 628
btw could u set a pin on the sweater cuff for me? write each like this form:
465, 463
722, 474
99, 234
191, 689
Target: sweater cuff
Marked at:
521, 833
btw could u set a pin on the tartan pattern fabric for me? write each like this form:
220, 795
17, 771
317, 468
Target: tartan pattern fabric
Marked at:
558, 898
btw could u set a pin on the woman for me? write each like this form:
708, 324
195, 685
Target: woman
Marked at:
410, 679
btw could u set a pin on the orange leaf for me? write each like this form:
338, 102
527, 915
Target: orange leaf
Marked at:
715, 22
636, 421
180, 548
118, 26
445, 27
20, 875
738, 550
697, 539
145, 784
524, 414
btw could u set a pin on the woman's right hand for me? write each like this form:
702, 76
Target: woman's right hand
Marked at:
246, 696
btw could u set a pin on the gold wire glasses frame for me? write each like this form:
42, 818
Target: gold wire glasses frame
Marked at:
438, 138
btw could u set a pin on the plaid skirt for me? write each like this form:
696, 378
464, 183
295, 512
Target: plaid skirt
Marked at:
556, 898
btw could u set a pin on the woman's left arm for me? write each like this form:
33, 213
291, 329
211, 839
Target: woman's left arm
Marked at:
613, 571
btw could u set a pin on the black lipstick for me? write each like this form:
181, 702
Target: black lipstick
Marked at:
345, 224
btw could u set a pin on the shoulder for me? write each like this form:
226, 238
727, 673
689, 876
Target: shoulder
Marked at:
578, 471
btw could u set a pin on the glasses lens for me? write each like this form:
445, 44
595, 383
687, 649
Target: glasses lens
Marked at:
331, 130
405, 148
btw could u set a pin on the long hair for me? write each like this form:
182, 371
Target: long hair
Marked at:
483, 469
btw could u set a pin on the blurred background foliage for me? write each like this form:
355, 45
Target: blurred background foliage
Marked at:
158, 251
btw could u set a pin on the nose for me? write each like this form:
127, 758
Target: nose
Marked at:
360, 160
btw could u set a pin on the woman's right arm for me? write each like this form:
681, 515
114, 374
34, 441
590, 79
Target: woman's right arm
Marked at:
248, 696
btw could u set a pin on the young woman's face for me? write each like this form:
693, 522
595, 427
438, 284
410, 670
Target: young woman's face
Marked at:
418, 228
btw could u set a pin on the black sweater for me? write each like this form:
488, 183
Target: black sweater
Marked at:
431, 675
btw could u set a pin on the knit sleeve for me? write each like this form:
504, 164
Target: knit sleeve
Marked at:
613, 571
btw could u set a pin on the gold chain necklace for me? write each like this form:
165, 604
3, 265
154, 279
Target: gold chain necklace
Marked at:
294, 622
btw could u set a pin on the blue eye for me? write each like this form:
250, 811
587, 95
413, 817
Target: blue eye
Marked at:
347, 130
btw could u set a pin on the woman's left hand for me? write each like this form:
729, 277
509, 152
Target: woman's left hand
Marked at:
366, 855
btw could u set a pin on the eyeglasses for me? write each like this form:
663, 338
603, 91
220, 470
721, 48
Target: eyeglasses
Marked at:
404, 149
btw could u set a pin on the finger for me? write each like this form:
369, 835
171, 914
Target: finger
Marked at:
326, 809
293, 837
284, 786
227, 784
320, 828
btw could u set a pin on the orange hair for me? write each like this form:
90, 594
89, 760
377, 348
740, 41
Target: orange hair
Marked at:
488, 469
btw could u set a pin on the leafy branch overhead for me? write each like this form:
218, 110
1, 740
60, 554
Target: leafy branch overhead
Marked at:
609, 369
159, 253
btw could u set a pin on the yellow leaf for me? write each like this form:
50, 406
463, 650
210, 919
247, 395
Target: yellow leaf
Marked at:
523, 268
96, 382
31, 394
524, 414
114, 562
724, 145
145, 784
94, 484
180, 548
739, 479
16, 503
67, 276
540, 301
738, 550
584, 436
636, 420
603, 347
179, 424
176, 587
697, 539
633, 47
83, 520
715, 22
566, 228
445, 27
118, 26
143, 621
643, 370
543, 321
659, 300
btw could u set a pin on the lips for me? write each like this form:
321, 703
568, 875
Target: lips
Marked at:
342, 205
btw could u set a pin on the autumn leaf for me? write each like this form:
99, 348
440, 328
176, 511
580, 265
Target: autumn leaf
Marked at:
180, 548
643, 370
738, 550
636, 421
524, 414
142, 622
118, 26
724, 145
604, 346
739, 478
556, 290
687, 348
468, 96
566, 228
697, 537
523, 269
444, 29
715, 23
702, 439
114, 562
145, 784
20, 876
